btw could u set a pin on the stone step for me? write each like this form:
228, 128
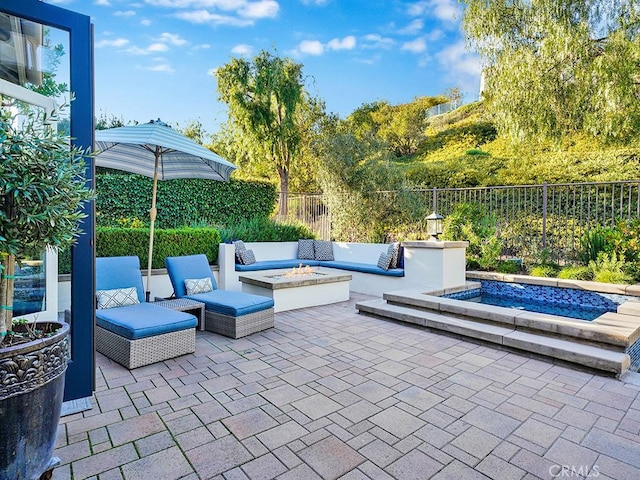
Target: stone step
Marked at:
568, 350
629, 308
612, 330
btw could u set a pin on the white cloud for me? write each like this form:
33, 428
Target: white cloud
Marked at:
373, 40
161, 67
418, 45
413, 28
145, 23
311, 47
456, 58
260, 9
347, 43
102, 3
242, 49
157, 47
124, 13
203, 16
448, 11
116, 42
318, 3
172, 39
202, 46
435, 35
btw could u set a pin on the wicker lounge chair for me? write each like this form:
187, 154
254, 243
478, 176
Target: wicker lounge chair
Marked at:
131, 331
229, 313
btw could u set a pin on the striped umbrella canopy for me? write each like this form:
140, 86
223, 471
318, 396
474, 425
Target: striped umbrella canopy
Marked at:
156, 150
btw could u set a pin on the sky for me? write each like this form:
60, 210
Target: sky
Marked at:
155, 58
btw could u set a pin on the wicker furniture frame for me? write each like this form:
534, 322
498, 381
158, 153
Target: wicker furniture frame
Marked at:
183, 305
144, 351
237, 327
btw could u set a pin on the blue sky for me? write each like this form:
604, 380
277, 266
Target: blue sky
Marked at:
153, 58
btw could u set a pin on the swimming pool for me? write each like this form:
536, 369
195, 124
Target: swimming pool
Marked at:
564, 302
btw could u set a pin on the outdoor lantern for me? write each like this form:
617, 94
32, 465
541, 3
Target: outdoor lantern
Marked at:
434, 225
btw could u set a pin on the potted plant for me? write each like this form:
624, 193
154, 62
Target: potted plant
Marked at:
42, 187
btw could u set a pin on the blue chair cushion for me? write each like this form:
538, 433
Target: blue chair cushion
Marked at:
231, 303
119, 272
185, 267
143, 320
364, 268
270, 264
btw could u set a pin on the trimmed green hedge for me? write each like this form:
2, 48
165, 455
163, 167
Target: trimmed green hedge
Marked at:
125, 200
115, 242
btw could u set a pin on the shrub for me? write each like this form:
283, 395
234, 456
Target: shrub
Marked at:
592, 243
546, 270
120, 197
608, 268
265, 230
116, 242
508, 266
576, 273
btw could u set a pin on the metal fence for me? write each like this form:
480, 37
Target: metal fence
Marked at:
528, 218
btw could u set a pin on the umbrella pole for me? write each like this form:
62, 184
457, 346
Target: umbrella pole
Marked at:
152, 214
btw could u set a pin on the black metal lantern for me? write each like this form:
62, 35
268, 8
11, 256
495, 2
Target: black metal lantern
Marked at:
434, 225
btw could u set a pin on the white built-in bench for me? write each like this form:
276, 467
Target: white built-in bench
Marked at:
429, 264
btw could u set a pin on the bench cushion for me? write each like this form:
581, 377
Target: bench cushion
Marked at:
272, 264
363, 267
231, 303
143, 320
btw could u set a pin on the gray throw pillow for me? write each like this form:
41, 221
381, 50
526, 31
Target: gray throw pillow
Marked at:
383, 261
240, 247
118, 297
247, 257
323, 250
305, 250
393, 251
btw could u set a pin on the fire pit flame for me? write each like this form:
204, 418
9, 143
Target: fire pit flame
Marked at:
299, 271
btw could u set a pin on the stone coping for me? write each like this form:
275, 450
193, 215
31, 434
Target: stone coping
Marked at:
265, 278
620, 289
613, 329
439, 244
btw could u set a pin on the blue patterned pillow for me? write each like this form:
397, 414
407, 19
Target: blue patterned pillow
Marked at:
118, 297
323, 250
198, 285
305, 250
384, 261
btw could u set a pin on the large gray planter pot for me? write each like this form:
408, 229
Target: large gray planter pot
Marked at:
31, 391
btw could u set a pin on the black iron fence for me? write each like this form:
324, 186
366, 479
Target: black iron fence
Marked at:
529, 218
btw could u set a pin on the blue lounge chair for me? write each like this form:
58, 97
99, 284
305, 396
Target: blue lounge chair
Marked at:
229, 313
129, 330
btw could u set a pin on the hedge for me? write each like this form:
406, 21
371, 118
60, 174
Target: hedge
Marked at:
115, 242
125, 200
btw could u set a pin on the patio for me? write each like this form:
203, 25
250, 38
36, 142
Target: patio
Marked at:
330, 393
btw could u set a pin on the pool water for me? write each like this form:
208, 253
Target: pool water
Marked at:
529, 305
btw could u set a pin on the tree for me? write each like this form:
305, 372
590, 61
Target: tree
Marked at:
264, 96
403, 126
555, 68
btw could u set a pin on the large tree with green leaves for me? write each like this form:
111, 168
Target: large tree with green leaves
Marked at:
554, 68
264, 96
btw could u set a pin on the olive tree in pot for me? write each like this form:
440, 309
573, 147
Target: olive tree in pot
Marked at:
42, 187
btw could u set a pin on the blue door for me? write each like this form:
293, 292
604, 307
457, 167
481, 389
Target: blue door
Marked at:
28, 22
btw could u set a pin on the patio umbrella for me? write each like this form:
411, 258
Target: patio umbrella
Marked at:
156, 150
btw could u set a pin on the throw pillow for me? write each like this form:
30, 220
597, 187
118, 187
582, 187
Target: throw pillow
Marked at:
393, 251
247, 257
323, 250
240, 247
118, 297
305, 250
198, 285
383, 261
